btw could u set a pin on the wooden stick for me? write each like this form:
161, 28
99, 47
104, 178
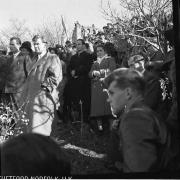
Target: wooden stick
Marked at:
80, 102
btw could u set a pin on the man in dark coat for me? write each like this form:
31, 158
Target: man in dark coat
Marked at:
16, 70
78, 87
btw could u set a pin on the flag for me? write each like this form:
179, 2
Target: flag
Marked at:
74, 34
64, 27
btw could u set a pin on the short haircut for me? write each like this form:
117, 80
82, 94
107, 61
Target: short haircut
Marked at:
101, 45
126, 77
36, 37
82, 41
33, 154
17, 40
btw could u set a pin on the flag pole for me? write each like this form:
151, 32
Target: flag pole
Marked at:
80, 102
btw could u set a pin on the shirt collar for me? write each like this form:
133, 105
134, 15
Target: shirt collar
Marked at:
16, 54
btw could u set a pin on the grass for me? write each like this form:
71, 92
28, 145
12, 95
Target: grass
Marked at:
86, 151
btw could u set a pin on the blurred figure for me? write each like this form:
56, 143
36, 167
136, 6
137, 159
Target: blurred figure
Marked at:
52, 50
60, 51
40, 95
104, 65
26, 49
111, 51
143, 137
33, 155
74, 49
88, 49
69, 52
153, 93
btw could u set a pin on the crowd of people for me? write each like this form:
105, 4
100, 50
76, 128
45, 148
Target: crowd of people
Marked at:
87, 82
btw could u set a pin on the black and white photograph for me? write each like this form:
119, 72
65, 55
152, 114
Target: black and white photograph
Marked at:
89, 89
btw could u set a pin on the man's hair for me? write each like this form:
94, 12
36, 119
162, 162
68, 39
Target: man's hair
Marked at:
17, 40
36, 37
33, 154
101, 45
82, 41
126, 77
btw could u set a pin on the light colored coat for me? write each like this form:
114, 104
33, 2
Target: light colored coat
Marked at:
40, 94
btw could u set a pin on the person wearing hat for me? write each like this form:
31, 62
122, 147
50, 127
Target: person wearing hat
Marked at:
153, 93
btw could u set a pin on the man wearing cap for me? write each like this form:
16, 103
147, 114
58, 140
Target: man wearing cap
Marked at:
40, 96
153, 92
16, 72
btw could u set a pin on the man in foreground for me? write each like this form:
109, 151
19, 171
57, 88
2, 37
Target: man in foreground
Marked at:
143, 136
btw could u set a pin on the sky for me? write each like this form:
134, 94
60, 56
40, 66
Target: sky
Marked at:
34, 12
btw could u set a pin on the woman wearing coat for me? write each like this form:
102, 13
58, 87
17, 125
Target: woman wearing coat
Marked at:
100, 69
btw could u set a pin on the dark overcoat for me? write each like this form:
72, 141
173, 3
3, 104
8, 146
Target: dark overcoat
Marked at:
79, 87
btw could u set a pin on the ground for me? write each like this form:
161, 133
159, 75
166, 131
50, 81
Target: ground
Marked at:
86, 150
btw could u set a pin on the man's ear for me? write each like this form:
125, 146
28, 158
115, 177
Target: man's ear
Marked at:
128, 93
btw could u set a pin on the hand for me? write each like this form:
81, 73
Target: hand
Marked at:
96, 73
115, 124
73, 73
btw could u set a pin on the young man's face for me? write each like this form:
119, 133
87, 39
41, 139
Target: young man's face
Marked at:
79, 46
14, 46
100, 52
117, 98
39, 46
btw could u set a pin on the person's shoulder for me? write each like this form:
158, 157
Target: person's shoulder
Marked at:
140, 116
148, 75
110, 58
84, 53
53, 57
74, 56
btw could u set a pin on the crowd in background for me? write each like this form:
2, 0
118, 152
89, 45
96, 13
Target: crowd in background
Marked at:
77, 72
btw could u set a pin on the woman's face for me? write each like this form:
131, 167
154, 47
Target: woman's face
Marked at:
24, 51
100, 52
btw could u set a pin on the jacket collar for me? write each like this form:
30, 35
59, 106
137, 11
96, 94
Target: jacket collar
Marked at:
135, 102
38, 61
